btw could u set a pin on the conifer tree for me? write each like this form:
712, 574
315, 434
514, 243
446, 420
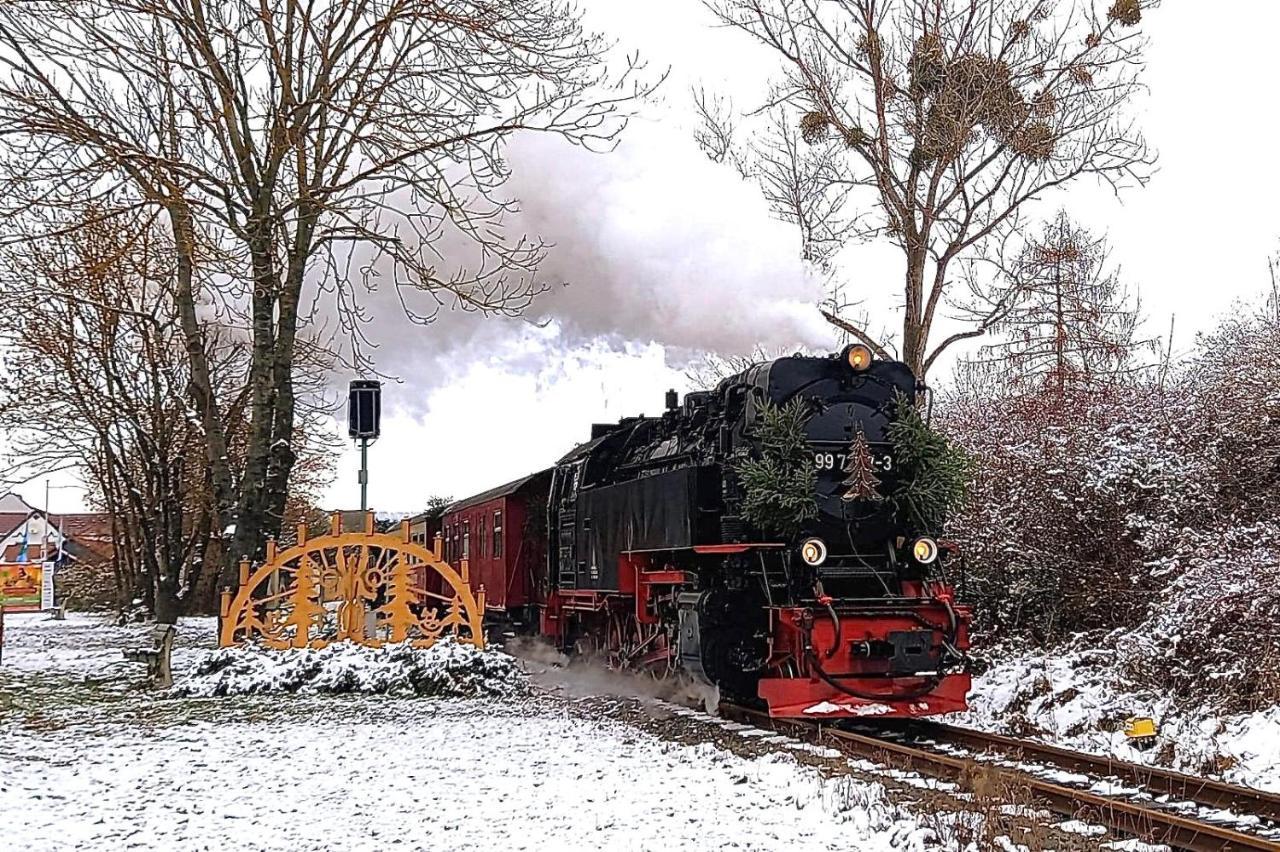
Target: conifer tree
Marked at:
1073, 322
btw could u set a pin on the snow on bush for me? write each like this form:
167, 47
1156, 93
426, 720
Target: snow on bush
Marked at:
1140, 510
448, 669
1075, 695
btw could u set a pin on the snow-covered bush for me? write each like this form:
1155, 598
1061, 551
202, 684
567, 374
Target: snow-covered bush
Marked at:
448, 669
1064, 490
1146, 504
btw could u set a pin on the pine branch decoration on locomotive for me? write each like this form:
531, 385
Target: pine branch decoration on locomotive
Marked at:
716, 539
934, 473
778, 484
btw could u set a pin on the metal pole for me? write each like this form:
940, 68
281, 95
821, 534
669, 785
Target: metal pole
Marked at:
364, 474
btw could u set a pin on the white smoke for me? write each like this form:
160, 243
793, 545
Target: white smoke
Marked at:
651, 244
658, 244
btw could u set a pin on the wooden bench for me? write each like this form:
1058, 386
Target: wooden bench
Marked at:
157, 657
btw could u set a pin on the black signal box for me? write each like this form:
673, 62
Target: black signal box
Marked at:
364, 408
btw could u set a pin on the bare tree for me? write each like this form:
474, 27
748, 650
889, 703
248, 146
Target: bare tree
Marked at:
1063, 316
95, 378
289, 142
803, 184
951, 115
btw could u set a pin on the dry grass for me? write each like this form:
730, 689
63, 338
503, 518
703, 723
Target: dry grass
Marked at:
998, 807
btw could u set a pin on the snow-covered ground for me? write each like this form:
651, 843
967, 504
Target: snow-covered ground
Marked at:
87, 761
1079, 699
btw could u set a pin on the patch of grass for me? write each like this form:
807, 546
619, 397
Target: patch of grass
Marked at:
1000, 808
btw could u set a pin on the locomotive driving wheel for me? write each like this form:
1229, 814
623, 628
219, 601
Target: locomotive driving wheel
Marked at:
632, 646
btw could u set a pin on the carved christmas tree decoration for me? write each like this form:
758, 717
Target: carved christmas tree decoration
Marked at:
397, 613
861, 482
306, 611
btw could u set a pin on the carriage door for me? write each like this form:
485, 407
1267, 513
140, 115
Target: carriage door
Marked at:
566, 497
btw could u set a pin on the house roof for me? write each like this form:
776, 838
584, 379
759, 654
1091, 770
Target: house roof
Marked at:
494, 493
11, 503
10, 521
88, 534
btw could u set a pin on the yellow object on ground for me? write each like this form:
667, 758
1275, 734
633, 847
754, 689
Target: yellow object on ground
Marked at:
1140, 728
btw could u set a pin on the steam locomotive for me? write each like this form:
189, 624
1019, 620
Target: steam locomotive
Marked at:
638, 545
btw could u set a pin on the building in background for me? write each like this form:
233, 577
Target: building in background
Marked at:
79, 544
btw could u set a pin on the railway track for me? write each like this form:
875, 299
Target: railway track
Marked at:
1152, 821
1155, 780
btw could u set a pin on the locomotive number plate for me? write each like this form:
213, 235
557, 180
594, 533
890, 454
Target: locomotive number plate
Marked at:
831, 460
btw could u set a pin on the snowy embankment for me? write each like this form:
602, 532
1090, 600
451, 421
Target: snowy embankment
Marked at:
456, 776
1079, 698
86, 761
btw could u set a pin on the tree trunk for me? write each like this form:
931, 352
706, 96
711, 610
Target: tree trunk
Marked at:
283, 456
168, 606
914, 334
249, 540
200, 383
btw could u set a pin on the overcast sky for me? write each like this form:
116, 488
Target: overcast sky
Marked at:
667, 254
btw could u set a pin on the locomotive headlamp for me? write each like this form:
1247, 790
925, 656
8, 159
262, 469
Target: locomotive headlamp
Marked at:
858, 356
813, 551
924, 550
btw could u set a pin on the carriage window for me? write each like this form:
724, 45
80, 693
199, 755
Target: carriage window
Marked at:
497, 534
466, 539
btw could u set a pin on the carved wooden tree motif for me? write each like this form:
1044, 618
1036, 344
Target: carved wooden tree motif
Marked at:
306, 611
398, 614
862, 483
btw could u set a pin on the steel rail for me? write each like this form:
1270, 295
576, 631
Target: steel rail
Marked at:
1150, 823
1155, 779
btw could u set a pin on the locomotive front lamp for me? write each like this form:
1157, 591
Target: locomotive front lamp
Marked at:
813, 551
924, 550
859, 357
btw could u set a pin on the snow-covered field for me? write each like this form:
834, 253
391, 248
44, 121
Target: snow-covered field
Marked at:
1078, 699
88, 761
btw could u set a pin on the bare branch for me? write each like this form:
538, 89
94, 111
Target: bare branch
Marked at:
950, 117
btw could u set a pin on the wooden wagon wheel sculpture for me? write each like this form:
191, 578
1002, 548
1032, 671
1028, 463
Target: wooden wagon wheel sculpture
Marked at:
364, 587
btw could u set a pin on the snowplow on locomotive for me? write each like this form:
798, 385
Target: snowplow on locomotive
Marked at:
647, 545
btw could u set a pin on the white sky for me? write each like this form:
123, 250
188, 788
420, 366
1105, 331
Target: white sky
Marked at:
479, 408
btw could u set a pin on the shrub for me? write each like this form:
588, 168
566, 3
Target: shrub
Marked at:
1144, 503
